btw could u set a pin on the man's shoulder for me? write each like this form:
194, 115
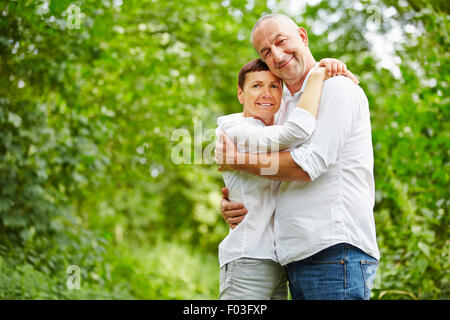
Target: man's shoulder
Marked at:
343, 87
340, 83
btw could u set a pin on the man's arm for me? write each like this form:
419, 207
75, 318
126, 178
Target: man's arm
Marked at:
234, 212
286, 168
276, 165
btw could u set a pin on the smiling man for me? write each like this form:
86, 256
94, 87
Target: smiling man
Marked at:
283, 46
324, 228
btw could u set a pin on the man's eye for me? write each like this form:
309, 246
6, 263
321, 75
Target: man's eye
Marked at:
255, 85
275, 86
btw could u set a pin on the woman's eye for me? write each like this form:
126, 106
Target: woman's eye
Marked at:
256, 85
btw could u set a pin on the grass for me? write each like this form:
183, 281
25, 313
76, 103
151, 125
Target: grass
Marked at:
168, 271
164, 271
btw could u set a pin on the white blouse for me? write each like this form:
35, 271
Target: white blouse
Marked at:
254, 236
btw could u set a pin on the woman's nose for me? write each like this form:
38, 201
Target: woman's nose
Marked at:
266, 94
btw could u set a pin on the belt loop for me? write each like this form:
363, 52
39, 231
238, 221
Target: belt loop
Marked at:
345, 266
345, 251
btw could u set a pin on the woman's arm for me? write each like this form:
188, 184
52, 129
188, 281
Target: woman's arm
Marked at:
310, 98
327, 68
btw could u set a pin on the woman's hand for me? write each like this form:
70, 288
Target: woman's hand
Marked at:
334, 67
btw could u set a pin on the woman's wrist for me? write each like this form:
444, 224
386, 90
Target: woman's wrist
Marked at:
319, 73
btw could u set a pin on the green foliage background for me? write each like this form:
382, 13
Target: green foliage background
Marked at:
86, 122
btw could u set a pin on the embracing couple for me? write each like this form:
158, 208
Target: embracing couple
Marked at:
309, 222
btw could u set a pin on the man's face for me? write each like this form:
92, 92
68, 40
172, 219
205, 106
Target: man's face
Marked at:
282, 47
261, 95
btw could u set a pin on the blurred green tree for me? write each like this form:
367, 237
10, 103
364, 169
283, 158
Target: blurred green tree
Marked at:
91, 93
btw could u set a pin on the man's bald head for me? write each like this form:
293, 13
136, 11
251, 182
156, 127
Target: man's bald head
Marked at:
283, 46
283, 19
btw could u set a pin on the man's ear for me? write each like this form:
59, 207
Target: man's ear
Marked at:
240, 95
303, 35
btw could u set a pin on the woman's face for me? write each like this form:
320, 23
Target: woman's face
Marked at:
261, 95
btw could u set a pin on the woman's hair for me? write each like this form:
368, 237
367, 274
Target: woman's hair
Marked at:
251, 66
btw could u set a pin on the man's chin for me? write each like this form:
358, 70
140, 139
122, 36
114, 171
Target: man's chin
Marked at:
293, 73
289, 76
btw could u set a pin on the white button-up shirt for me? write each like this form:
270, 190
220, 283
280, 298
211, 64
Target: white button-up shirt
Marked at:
254, 236
337, 206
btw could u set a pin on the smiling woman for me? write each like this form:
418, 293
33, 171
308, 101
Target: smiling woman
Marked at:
261, 96
259, 91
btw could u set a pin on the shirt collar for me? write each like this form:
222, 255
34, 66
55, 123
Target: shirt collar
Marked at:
287, 93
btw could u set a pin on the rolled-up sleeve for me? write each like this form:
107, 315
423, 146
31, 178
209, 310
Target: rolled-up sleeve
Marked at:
300, 119
337, 109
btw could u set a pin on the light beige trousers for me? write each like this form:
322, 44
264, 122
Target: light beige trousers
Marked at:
253, 279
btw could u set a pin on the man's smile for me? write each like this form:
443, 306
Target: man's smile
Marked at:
284, 64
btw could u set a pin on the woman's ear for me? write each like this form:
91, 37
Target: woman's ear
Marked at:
240, 95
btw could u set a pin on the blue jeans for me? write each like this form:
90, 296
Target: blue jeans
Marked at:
339, 272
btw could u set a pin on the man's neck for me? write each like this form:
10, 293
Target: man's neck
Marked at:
295, 85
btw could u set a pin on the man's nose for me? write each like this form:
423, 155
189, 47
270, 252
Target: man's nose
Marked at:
278, 54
